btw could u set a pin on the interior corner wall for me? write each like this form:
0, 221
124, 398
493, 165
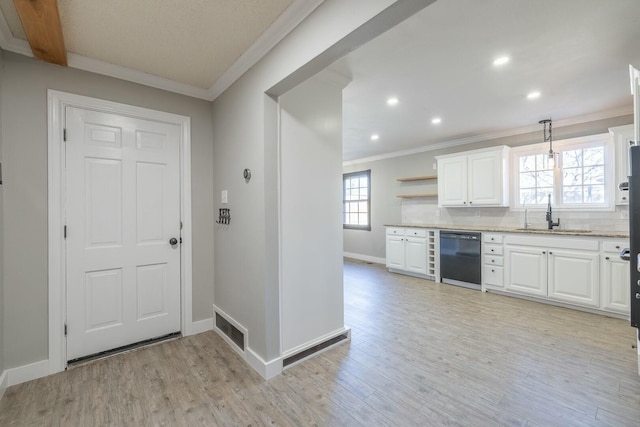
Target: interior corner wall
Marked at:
312, 298
244, 284
24, 150
386, 207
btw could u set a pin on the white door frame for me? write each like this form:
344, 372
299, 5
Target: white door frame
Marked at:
57, 103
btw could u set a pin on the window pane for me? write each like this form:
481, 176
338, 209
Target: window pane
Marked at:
347, 206
362, 219
542, 195
571, 158
594, 175
528, 180
572, 194
594, 156
364, 182
572, 176
528, 196
594, 194
362, 207
364, 193
542, 162
527, 163
545, 178
353, 218
355, 194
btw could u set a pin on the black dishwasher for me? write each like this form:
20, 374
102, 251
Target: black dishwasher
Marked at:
460, 261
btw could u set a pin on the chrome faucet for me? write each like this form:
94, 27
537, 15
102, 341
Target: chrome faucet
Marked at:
550, 222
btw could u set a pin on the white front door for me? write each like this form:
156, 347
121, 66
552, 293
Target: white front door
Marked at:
122, 189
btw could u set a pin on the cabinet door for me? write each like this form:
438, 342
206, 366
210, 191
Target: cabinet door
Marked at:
526, 270
485, 179
415, 252
395, 252
615, 284
452, 181
574, 277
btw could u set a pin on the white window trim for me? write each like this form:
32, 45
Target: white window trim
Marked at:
580, 142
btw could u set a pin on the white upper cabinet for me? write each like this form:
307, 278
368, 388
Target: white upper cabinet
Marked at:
623, 137
474, 178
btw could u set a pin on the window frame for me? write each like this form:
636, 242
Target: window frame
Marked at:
351, 175
604, 139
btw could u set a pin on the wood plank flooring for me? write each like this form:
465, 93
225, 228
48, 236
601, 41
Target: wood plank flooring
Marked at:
421, 354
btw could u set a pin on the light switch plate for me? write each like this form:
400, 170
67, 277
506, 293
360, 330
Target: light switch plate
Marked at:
224, 197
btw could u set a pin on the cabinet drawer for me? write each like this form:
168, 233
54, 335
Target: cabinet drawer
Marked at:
395, 231
493, 260
415, 232
492, 238
493, 275
490, 249
614, 246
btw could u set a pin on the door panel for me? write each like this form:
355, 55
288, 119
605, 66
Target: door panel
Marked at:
122, 207
526, 270
574, 277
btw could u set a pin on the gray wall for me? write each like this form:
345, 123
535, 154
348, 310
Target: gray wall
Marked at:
387, 207
24, 152
2, 298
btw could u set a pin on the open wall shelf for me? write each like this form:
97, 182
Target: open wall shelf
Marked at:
417, 178
411, 196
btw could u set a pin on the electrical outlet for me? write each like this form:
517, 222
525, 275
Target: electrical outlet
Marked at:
624, 214
477, 213
435, 166
224, 197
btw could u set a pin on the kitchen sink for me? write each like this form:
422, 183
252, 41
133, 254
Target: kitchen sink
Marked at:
555, 230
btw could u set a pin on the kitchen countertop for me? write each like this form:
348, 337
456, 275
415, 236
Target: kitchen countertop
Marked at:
485, 228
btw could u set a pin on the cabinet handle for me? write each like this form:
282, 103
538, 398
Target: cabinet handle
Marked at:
606, 258
550, 253
544, 252
617, 247
492, 270
491, 250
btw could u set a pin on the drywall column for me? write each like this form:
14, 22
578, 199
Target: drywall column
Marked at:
2, 298
312, 303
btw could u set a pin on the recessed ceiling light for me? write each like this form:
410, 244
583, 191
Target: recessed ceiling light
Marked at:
375, 137
392, 101
501, 61
436, 120
533, 95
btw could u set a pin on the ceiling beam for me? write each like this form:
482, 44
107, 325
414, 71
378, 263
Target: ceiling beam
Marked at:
41, 23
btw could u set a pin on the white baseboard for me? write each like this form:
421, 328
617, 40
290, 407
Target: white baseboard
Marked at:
200, 326
4, 383
270, 369
267, 370
29, 372
366, 258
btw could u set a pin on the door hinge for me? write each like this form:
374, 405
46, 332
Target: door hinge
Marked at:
65, 231
64, 134
65, 329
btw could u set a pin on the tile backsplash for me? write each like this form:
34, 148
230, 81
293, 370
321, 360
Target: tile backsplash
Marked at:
416, 211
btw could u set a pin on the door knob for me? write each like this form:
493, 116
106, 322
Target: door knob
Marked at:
173, 241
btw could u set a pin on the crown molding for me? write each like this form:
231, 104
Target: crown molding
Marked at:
281, 27
286, 22
602, 115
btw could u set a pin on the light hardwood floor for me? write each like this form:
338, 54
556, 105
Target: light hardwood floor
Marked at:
421, 354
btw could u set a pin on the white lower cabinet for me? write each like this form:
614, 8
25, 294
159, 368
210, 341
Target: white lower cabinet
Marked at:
493, 270
526, 270
412, 250
556, 271
614, 290
574, 277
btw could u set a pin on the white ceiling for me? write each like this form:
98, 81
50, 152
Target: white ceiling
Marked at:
194, 47
439, 63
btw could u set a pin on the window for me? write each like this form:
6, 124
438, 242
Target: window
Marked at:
581, 178
356, 196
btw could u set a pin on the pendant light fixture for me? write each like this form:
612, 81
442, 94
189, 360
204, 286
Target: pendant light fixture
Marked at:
548, 137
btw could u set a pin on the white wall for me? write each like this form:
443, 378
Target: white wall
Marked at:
246, 274
312, 303
2, 298
387, 208
24, 151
